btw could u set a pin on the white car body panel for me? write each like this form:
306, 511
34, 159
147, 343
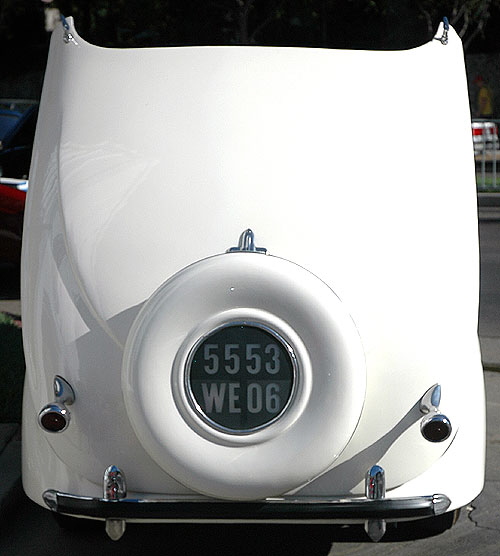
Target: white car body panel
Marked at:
147, 161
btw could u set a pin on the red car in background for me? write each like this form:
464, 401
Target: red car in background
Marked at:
17, 129
12, 200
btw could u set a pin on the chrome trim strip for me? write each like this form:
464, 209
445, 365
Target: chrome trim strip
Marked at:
353, 510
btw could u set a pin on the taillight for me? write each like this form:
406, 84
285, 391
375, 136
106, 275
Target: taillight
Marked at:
55, 417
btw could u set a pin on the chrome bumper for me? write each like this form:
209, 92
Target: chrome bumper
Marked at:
341, 510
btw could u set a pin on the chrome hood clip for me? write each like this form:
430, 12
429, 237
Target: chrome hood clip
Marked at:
443, 39
247, 243
68, 37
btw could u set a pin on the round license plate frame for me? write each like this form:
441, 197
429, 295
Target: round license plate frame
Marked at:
241, 377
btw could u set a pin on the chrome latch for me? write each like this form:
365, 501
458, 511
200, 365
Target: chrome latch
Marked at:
247, 243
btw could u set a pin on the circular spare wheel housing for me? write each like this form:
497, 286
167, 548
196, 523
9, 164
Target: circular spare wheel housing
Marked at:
244, 376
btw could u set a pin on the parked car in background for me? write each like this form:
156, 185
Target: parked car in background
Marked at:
12, 201
484, 136
17, 131
19, 104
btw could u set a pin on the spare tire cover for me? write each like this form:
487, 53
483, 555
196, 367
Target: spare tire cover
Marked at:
244, 376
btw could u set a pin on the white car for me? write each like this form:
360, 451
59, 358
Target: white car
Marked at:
229, 314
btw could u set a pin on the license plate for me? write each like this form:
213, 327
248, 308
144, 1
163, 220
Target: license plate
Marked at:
241, 377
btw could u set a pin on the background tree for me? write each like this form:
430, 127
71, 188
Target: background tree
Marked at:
368, 24
468, 17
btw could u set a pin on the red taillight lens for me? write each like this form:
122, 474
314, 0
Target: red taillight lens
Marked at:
54, 418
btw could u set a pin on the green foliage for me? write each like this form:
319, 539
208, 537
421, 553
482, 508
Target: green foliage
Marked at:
487, 183
12, 369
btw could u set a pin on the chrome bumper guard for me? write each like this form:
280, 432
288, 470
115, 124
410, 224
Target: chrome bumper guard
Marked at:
343, 510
